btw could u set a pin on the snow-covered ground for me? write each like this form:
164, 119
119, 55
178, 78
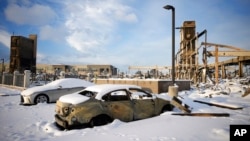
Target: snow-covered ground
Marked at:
36, 123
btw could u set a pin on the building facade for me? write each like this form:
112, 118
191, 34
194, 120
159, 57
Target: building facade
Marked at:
84, 70
23, 53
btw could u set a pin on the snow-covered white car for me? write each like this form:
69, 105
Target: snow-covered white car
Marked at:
52, 91
101, 104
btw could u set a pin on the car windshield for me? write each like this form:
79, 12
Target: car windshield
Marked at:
88, 93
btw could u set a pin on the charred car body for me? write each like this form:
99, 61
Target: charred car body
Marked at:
100, 104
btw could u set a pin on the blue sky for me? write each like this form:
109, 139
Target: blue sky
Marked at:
118, 32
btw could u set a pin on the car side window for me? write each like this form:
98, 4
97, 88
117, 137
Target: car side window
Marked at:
119, 95
139, 94
87, 93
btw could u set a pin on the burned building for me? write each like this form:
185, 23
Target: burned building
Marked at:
23, 53
186, 55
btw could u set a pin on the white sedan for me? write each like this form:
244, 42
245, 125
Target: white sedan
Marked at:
52, 91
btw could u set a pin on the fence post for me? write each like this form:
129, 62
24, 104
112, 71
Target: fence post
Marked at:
15, 78
3, 77
26, 78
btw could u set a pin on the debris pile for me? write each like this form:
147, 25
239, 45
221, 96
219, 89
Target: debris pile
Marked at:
205, 94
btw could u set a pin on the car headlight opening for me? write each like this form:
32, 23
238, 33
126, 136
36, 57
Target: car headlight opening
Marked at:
66, 110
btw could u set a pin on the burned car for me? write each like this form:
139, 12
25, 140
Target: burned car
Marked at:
101, 104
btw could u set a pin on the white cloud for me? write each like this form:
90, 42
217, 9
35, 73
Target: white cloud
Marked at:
5, 38
91, 24
31, 15
130, 17
49, 32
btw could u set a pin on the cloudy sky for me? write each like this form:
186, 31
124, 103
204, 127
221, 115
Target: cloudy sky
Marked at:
118, 32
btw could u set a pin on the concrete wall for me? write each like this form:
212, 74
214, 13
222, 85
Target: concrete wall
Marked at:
153, 85
16, 79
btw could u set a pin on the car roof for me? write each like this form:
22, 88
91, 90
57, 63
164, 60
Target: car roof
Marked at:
102, 89
70, 82
65, 83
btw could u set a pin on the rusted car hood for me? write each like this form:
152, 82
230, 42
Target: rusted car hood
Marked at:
73, 98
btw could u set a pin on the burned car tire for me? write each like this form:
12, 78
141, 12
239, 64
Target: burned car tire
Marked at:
167, 108
100, 120
41, 98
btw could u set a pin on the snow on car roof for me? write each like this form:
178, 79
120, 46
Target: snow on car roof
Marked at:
102, 89
64, 82
70, 82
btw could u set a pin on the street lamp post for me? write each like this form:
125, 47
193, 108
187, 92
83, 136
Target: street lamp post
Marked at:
170, 7
172, 90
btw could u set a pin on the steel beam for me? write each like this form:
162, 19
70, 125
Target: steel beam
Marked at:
230, 53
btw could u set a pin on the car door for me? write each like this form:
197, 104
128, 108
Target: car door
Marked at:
117, 104
143, 104
60, 91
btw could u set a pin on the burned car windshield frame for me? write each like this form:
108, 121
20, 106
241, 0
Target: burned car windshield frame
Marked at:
116, 95
126, 94
88, 93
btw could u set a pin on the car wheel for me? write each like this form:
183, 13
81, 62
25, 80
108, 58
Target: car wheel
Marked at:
100, 120
41, 99
167, 108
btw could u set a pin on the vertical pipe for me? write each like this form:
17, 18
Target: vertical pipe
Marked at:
206, 58
196, 58
173, 45
216, 65
240, 64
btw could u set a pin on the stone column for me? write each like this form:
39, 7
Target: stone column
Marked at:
15, 78
4, 77
26, 79
173, 91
